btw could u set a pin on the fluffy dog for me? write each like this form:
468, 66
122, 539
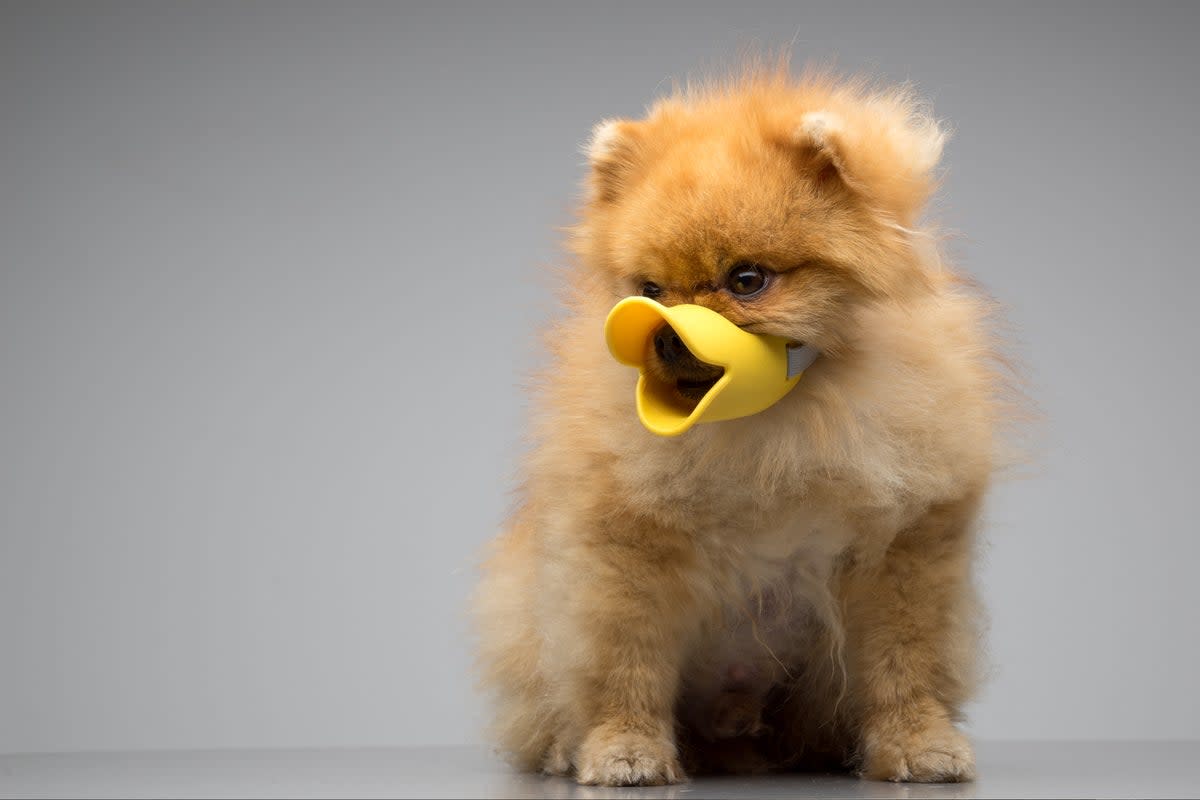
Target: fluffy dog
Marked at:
790, 589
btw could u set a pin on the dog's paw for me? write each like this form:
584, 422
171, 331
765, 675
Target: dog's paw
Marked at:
609, 758
936, 752
556, 762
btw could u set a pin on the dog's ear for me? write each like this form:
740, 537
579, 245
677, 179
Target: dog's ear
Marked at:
885, 150
613, 151
882, 157
819, 138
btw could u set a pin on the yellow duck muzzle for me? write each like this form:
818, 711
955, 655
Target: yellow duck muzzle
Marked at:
758, 369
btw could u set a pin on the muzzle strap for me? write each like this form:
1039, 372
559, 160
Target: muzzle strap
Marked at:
800, 357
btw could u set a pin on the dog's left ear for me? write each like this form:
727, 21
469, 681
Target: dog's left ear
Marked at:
886, 151
819, 138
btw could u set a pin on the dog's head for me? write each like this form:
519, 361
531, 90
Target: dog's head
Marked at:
782, 205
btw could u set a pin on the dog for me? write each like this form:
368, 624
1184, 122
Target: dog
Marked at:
787, 590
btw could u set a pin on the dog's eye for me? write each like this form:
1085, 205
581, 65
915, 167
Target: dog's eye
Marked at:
651, 289
746, 279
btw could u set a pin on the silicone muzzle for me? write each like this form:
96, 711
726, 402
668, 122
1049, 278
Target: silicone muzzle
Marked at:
756, 366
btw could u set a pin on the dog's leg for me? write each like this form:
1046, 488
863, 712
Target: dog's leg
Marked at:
910, 623
633, 609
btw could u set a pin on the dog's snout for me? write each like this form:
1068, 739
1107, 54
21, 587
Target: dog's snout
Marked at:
668, 345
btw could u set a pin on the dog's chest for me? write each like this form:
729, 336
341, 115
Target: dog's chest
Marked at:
780, 549
776, 601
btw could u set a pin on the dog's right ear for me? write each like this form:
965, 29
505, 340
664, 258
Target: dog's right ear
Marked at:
612, 151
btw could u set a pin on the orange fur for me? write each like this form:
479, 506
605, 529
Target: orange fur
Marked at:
785, 589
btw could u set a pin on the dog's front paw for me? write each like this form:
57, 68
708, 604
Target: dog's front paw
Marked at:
625, 758
933, 752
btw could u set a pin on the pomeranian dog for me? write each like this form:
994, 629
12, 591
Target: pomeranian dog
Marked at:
792, 589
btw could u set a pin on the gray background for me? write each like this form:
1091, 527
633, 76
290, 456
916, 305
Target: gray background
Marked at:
269, 276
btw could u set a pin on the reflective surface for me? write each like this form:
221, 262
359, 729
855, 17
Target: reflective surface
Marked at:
1007, 769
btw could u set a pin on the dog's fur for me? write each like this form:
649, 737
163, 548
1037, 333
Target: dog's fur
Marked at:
789, 589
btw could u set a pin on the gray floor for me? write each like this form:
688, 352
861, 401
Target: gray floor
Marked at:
1007, 769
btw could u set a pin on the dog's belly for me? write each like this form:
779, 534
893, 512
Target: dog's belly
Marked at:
776, 621
736, 665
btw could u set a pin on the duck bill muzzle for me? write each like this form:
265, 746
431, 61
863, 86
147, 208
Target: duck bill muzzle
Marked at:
758, 370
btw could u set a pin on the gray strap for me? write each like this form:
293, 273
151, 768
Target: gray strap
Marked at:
800, 357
